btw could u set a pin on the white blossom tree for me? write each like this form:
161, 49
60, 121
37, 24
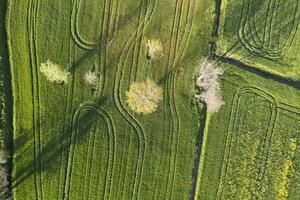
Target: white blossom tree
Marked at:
91, 78
208, 86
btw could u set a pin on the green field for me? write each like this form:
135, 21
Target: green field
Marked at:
263, 34
252, 143
72, 142
250, 147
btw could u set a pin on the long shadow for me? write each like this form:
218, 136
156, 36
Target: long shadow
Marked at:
105, 41
203, 114
216, 25
264, 74
52, 150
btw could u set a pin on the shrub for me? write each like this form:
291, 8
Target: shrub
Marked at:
91, 78
3, 156
4, 192
53, 72
4, 183
208, 86
154, 49
143, 97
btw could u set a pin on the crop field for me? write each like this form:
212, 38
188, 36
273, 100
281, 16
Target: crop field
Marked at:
251, 146
72, 141
252, 143
150, 99
263, 34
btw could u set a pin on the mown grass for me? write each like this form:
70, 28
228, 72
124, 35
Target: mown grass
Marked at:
116, 154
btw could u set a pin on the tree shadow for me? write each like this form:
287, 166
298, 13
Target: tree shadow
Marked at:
51, 156
105, 41
51, 152
203, 113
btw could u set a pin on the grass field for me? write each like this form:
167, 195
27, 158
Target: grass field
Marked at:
73, 142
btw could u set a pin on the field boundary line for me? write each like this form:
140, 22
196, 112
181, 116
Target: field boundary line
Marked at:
261, 49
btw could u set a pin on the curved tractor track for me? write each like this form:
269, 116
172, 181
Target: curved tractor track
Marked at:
109, 16
176, 52
263, 40
236, 127
132, 121
111, 143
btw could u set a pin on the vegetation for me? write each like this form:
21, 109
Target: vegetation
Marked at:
154, 49
53, 72
252, 143
4, 183
208, 86
91, 78
5, 111
144, 97
72, 143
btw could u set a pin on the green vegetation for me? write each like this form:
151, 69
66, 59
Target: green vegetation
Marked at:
5, 111
74, 141
144, 97
262, 34
252, 143
53, 72
104, 102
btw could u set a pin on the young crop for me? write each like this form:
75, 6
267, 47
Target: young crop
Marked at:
144, 97
53, 72
208, 86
